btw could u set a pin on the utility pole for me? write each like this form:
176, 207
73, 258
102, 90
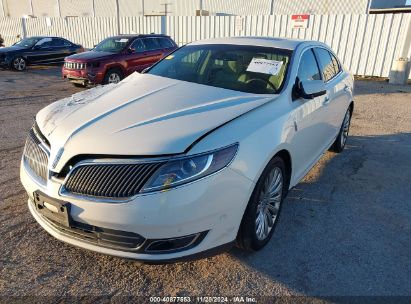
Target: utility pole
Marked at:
94, 8
272, 7
142, 5
58, 8
165, 8
118, 17
3, 9
31, 7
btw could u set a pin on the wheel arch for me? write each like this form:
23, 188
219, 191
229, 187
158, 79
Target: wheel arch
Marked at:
285, 155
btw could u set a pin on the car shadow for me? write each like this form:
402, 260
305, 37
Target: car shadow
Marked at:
366, 87
345, 229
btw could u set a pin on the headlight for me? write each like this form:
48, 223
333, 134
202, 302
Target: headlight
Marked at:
187, 169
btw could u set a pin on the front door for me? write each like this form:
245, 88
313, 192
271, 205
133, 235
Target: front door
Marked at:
311, 130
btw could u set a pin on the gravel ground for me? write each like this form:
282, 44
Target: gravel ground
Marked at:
344, 230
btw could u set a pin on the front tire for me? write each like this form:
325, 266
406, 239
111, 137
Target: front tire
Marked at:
19, 64
113, 76
339, 144
263, 209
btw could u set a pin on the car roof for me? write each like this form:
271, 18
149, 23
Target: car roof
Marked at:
132, 36
281, 43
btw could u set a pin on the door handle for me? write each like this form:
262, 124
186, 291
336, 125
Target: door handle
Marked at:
326, 100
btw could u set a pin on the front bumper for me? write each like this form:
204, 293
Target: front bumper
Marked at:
214, 205
84, 76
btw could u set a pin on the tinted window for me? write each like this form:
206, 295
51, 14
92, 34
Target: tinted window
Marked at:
327, 64
308, 69
151, 44
57, 42
234, 67
138, 45
165, 43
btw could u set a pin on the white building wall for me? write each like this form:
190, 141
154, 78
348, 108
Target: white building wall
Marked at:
45, 8
313, 7
238, 7
79, 8
129, 8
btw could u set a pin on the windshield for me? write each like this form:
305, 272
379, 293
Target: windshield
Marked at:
250, 69
28, 42
112, 45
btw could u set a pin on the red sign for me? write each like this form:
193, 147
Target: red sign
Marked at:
299, 21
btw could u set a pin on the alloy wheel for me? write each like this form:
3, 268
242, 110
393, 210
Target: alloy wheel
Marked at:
114, 78
19, 64
346, 127
269, 203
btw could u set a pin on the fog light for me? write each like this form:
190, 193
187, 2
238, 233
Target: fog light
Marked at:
175, 244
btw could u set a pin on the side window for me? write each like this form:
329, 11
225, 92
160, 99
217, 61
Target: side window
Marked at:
151, 44
57, 42
337, 66
138, 46
326, 62
308, 69
66, 42
45, 42
165, 43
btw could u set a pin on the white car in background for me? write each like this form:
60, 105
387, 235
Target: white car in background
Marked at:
194, 155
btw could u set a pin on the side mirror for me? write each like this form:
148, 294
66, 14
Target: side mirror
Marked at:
309, 89
36, 47
131, 50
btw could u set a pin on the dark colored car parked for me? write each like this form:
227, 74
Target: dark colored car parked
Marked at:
37, 50
117, 57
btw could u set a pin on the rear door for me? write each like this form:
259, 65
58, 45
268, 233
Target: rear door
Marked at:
60, 50
154, 51
337, 101
311, 130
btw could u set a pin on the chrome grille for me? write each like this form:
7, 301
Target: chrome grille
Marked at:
109, 180
74, 65
35, 157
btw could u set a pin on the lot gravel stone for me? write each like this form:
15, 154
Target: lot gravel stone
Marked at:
344, 230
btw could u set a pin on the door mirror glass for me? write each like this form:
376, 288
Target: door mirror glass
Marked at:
310, 89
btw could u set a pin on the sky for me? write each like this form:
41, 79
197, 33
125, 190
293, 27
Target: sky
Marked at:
408, 2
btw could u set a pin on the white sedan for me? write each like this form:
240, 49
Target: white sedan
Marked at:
192, 156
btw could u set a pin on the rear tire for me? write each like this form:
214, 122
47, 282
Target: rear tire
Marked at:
339, 144
113, 76
19, 64
263, 209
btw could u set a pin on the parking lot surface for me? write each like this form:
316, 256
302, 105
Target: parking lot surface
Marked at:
344, 230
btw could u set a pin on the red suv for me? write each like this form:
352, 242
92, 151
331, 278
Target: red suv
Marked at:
116, 57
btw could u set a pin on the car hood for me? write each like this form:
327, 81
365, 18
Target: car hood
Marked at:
11, 49
144, 115
90, 55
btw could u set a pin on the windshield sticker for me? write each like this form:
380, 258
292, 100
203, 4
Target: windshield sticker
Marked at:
265, 66
123, 40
